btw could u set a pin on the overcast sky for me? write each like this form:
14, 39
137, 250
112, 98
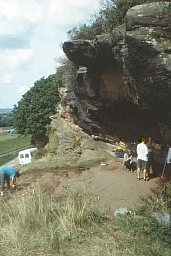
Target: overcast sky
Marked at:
31, 33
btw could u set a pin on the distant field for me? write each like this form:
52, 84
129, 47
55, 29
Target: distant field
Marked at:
7, 159
9, 143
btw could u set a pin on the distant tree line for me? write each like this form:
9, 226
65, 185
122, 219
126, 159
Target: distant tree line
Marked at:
6, 119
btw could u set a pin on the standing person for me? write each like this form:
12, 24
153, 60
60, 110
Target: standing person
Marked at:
151, 146
168, 161
5, 173
142, 160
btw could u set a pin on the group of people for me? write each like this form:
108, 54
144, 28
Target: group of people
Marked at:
8, 173
145, 158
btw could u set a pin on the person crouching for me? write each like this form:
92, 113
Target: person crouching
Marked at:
7, 172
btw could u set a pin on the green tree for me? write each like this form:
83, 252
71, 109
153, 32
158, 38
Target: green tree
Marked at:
110, 14
33, 111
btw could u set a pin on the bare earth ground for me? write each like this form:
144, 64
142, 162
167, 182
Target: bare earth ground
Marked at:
112, 186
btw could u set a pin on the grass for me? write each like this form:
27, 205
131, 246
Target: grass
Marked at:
7, 159
34, 224
10, 143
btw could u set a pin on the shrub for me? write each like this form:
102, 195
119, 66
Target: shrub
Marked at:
40, 153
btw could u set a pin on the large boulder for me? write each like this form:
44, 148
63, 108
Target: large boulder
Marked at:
123, 83
94, 157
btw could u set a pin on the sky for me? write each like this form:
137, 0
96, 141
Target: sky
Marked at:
31, 35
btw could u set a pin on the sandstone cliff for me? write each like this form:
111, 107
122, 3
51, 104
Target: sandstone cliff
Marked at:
123, 82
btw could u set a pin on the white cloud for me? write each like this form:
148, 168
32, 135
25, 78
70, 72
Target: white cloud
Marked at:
31, 10
23, 89
9, 8
19, 57
31, 33
4, 80
69, 11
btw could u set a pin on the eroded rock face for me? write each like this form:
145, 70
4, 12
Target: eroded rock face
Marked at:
148, 62
123, 84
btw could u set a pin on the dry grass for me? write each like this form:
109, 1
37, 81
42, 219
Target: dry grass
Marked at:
34, 224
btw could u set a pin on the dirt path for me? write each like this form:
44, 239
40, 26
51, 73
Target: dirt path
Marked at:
113, 186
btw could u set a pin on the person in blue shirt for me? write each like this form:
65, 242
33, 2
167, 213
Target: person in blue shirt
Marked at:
7, 172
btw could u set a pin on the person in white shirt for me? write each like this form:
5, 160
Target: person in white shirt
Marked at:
168, 160
142, 159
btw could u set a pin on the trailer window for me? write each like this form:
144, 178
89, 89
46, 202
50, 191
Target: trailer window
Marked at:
26, 155
21, 156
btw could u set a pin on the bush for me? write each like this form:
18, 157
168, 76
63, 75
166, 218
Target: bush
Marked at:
40, 153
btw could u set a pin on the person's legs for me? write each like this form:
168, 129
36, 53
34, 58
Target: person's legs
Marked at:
127, 164
138, 173
131, 166
148, 164
2, 179
148, 170
7, 179
138, 169
144, 166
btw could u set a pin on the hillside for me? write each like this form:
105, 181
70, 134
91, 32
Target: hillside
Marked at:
111, 185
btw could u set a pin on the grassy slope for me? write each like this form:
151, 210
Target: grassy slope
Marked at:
74, 227
9, 143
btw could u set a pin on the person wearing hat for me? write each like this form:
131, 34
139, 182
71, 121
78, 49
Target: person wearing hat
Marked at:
7, 172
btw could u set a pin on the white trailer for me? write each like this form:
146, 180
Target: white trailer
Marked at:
26, 156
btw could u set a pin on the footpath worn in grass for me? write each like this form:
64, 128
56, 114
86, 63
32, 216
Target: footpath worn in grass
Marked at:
9, 143
34, 224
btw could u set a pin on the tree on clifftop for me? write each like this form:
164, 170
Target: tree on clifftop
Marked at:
33, 111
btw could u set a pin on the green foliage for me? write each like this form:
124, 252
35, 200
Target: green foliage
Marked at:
6, 118
110, 14
33, 111
6, 121
49, 130
163, 13
40, 153
146, 231
52, 146
10, 143
85, 31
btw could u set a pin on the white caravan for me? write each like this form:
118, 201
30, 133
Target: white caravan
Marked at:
26, 156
